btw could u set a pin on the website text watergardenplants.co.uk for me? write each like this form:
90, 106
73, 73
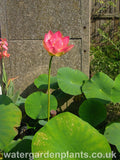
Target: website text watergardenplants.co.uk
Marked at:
60, 155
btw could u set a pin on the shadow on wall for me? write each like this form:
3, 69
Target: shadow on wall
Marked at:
29, 90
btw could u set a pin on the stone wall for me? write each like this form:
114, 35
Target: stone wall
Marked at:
24, 23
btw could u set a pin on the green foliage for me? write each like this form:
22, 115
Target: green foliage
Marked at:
10, 118
15, 97
36, 105
42, 82
10, 89
98, 91
19, 146
115, 94
59, 134
70, 81
102, 62
4, 76
93, 111
8, 86
106, 54
99, 86
42, 122
112, 133
102, 6
67, 132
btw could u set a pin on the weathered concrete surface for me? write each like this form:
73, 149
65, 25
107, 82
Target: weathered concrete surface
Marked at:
24, 23
31, 59
31, 19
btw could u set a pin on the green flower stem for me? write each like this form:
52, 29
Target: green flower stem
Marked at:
3, 77
1, 73
49, 86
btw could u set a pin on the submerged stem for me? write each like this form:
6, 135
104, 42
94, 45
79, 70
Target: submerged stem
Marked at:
49, 87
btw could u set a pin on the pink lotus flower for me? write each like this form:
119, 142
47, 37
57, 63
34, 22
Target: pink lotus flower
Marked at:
56, 44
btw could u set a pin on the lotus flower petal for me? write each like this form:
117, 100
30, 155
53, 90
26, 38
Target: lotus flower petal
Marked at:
49, 44
48, 36
68, 48
65, 41
53, 50
56, 44
58, 34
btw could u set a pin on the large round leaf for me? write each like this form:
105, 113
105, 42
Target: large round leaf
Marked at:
112, 133
70, 81
10, 118
99, 86
93, 111
115, 96
42, 82
67, 133
20, 146
36, 105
